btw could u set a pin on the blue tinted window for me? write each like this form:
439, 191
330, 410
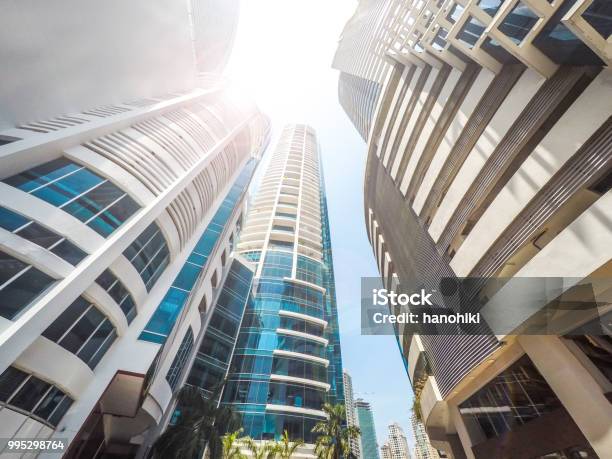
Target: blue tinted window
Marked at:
10, 220
78, 191
164, 317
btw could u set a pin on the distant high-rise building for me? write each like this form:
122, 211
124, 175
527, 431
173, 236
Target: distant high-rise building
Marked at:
123, 179
385, 451
287, 359
360, 57
351, 415
490, 148
398, 445
423, 448
367, 440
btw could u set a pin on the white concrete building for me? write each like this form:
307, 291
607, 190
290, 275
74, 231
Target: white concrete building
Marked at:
423, 448
490, 147
398, 445
351, 416
122, 178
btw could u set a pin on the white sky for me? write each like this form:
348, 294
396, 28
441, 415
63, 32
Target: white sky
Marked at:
282, 57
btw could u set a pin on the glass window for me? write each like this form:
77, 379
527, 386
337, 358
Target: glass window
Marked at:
41, 236
561, 45
599, 16
83, 330
149, 254
118, 292
514, 397
30, 394
455, 13
490, 6
33, 395
10, 220
439, 41
178, 363
79, 334
471, 31
20, 284
69, 252
78, 191
518, 23
38, 235
5, 139
10, 381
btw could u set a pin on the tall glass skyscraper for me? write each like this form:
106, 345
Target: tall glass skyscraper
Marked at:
287, 359
365, 420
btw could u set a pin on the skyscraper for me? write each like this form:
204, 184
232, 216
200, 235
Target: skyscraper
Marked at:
361, 59
385, 451
423, 448
351, 415
123, 184
397, 443
287, 359
489, 147
367, 440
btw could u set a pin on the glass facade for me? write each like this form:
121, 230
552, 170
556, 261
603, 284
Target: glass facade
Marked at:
32, 396
514, 397
284, 316
38, 234
20, 284
215, 352
368, 445
83, 330
95, 201
162, 322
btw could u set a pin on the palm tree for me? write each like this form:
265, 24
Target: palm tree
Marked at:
261, 450
285, 447
231, 445
201, 422
333, 441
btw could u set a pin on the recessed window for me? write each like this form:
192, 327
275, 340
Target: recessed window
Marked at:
115, 288
471, 31
43, 401
33, 232
20, 284
439, 41
514, 397
518, 23
5, 139
149, 254
83, 330
455, 13
599, 16
490, 6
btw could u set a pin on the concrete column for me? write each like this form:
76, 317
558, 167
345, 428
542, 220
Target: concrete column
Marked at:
580, 394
